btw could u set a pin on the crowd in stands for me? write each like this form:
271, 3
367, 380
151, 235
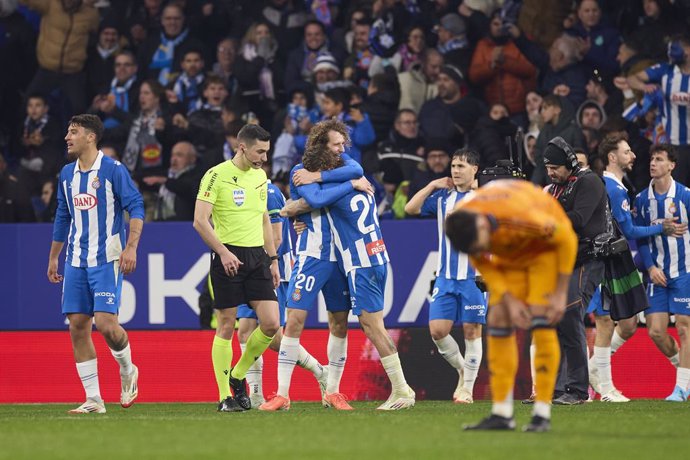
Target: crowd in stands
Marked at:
414, 80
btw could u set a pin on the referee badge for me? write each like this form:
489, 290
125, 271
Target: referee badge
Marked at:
96, 183
238, 197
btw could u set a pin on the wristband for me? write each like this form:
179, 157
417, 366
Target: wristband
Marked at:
274, 257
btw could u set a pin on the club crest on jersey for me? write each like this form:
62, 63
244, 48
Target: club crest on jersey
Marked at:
238, 197
297, 295
625, 205
96, 183
672, 208
84, 201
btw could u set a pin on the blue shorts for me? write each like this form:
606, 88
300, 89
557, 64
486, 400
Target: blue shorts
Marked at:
245, 311
311, 275
457, 301
596, 305
91, 289
673, 299
367, 286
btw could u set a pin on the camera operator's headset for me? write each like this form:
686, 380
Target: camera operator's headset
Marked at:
569, 152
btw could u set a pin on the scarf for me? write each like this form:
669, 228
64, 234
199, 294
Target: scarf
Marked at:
408, 58
188, 91
104, 53
456, 43
121, 93
142, 141
30, 125
310, 57
166, 199
163, 57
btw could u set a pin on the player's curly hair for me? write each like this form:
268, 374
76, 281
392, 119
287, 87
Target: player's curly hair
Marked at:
321, 159
318, 136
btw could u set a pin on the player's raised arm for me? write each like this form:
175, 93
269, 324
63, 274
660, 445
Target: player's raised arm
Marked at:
414, 206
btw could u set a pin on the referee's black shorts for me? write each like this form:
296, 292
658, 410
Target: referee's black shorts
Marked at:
253, 280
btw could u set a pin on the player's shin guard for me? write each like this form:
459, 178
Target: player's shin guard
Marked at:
221, 355
503, 362
256, 345
473, 359
546, 362
287, 358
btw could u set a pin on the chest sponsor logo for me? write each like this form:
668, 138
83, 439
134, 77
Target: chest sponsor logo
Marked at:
680, 98
84, 201
375, 247
238, 197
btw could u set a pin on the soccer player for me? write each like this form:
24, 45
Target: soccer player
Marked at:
523, 243
455, 296
93, 191
362, 251
618, 159
317, 270
247, 317
244, 263
665, 258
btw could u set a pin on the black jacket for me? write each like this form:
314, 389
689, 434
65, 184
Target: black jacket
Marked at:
489, 140
185, 189
400, 158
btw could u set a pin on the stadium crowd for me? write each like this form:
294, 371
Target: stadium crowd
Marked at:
415, 80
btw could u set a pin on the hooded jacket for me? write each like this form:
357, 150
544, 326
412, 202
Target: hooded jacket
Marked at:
565, 128
589, 103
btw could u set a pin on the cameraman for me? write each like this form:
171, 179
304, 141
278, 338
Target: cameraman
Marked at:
618, 159
583, 196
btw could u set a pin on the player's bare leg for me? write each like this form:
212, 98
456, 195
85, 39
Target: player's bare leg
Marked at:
87, 365
118, 342
657, 328
402, 396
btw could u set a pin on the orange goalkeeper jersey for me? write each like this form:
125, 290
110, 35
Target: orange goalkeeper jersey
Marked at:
528, 222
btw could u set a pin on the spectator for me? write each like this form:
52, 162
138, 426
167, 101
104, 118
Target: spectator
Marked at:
401, 154
450, 117
356, 67
161, 54
559, 120
477, 14
178, 190
489, 137
661, 21
61, 48
15, 204
117, 106
452, 42
147, 152
48, 203
42, 145
145, 19
590, 115
301, 60
18, 46
560, 69
381, 103
286, 20
533, 101
185, 96
258, 74
419, 84
602, 91
205, 126
226, 53
326, 76
407, 54
436, 165
600, 41
100, 59
345, 36
542, 20
285, 153
631, 62
501, 70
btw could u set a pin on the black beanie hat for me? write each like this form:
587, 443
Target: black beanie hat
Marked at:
554, 155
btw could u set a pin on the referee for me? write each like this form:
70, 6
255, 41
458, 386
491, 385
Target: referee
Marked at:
244, 264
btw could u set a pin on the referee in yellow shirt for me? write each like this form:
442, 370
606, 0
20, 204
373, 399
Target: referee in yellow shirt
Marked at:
244, 264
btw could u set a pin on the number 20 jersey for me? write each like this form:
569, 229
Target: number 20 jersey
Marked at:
356, 231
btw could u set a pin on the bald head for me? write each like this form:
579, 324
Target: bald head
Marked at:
183, 155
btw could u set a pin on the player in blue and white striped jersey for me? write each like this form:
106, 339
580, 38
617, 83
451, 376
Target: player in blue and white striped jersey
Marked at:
316, 270
667, 259
455, 297
673, 79
93, 192
357, 236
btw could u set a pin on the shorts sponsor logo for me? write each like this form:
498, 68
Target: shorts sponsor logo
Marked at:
297, 295
375, 247
474, 307
84, 201
238, 197
104, 294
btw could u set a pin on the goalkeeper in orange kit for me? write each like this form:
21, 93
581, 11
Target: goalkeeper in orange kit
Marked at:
521, 241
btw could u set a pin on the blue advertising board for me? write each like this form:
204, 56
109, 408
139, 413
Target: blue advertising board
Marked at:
172, 264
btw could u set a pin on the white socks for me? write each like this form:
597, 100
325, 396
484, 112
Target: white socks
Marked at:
308, 362
542, 409
683, 378
392, 366
602, 362
616, 341
287, 358
532, 371
504, 408
88, 373
337, 356
473, 359
255, 375
124, 359
450, 350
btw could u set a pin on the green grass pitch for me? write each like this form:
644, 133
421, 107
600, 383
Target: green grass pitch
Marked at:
649, 430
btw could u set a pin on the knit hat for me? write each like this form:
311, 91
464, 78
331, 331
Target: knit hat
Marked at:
554, 155
326, 62
453, 73
453, 23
